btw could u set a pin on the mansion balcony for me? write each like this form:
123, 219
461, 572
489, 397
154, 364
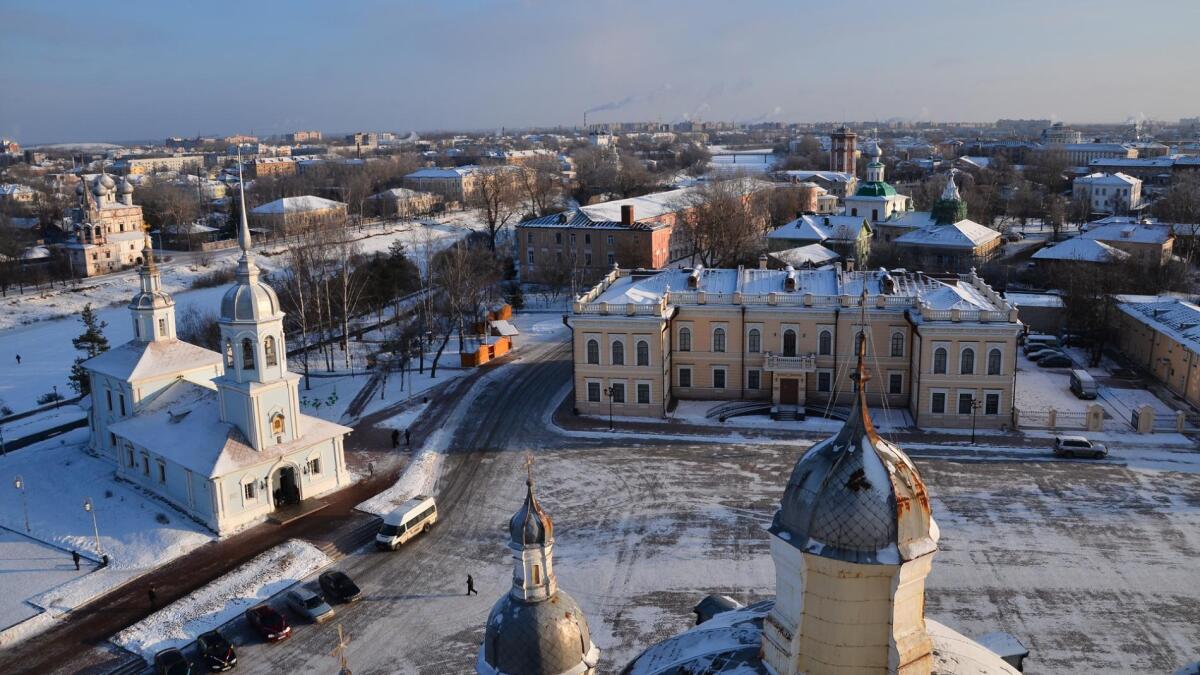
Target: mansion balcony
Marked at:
777, 363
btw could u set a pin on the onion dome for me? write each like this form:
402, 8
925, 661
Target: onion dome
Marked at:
530, 526
540, 638
874, 151
857, 497
126, 187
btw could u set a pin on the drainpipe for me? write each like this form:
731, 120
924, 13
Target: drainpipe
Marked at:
567, 322
914, 382
668, 354
833, 386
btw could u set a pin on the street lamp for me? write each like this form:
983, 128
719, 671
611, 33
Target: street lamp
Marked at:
56, 397
608, 391
975, 405
87, 506
19, 483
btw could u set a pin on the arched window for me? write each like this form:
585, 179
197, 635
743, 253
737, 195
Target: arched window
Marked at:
593, 351
685, 339
618, 353
269, 356
228, 353
825, 343
718, 340
754, 341
897, 344
247, 354
939, 361
994, 362
966, 362
643, 353
789, 342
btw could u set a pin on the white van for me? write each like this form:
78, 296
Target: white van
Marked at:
1083, 384
1037, 341
413, 517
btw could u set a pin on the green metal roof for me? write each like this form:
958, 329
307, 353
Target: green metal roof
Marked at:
877, 189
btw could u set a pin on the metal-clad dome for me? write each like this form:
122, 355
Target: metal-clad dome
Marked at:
856, 497
151, 300
249, 300
126, 187
540, 638
530, 526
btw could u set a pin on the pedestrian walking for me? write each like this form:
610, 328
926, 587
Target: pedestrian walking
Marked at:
18, 359
471, 586
75, 557
407, 438
153, 597
395, 438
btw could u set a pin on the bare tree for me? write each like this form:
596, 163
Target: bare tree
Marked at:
540, 184
498, 199
724, 223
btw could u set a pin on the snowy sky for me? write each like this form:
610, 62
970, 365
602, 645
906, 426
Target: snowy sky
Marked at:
87, 71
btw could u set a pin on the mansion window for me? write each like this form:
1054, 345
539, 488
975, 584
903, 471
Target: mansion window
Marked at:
939, 361
617, 392
824, 380
685, 377
685, 339
895, 383
718, 339
993, 365
718, 378
593, 392
643, 392
754, 341
754, 379
967, 362
593, 351
643, 353
824, 343
789, 342
897, 344
991, 404
964, 403
937, 403
618, 353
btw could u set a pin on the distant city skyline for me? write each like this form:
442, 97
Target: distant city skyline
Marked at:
83, 72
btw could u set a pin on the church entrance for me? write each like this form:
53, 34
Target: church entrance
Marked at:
285, 489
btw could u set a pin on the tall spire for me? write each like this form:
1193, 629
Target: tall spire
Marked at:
244, 228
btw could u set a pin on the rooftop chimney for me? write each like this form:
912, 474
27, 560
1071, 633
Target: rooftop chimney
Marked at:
627, 214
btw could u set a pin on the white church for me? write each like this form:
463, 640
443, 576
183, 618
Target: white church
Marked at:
220, 436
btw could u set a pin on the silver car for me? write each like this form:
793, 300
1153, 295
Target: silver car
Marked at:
1078, 446
310, 604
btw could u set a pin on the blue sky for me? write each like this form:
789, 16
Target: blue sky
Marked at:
92, 71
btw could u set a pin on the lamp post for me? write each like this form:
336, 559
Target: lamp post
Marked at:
608, 391
56, 397
87, 506
975, 405
19, 483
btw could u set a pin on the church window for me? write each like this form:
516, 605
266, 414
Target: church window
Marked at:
162, 472
121, 398
108, 395
132, 461
145, 465
247, 353
269, 351
229, 353
250, 491
537, 574
162, 327
137, 329
314, 466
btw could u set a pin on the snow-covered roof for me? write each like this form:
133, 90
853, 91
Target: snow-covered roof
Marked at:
1034, 299
1081, 250
980, 162
828, 176
804, 256
963, 234
303, 204
134, 361
13, 189
1100, 178
910, 219
1138, 233
645, 208
820, 228
182, 423
398, 193
447, 172
1171, 316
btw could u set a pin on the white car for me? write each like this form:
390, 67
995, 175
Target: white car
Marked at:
1078, 446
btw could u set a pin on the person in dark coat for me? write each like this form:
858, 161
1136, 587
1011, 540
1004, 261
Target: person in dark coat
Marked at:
395, 438
153, 597
471, 586
18, 359
75, 557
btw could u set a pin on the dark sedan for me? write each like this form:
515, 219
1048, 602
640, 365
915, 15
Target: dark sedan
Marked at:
216, 652
172, 662
1055, 361
338, 587
269, 623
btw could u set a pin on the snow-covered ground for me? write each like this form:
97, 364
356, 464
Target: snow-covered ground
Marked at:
218, 602
1041, 389
33, 568
693, 412
47, 419
39, 327
136, 532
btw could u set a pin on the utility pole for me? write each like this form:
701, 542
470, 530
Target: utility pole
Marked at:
90, 508
19, 483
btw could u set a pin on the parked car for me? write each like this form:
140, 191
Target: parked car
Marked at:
1015, 236
1042, 353
1078, 446
269, 623
1083, 385
413, 517
338, 587
172, 662
309, 604
216, 652
1055, 361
